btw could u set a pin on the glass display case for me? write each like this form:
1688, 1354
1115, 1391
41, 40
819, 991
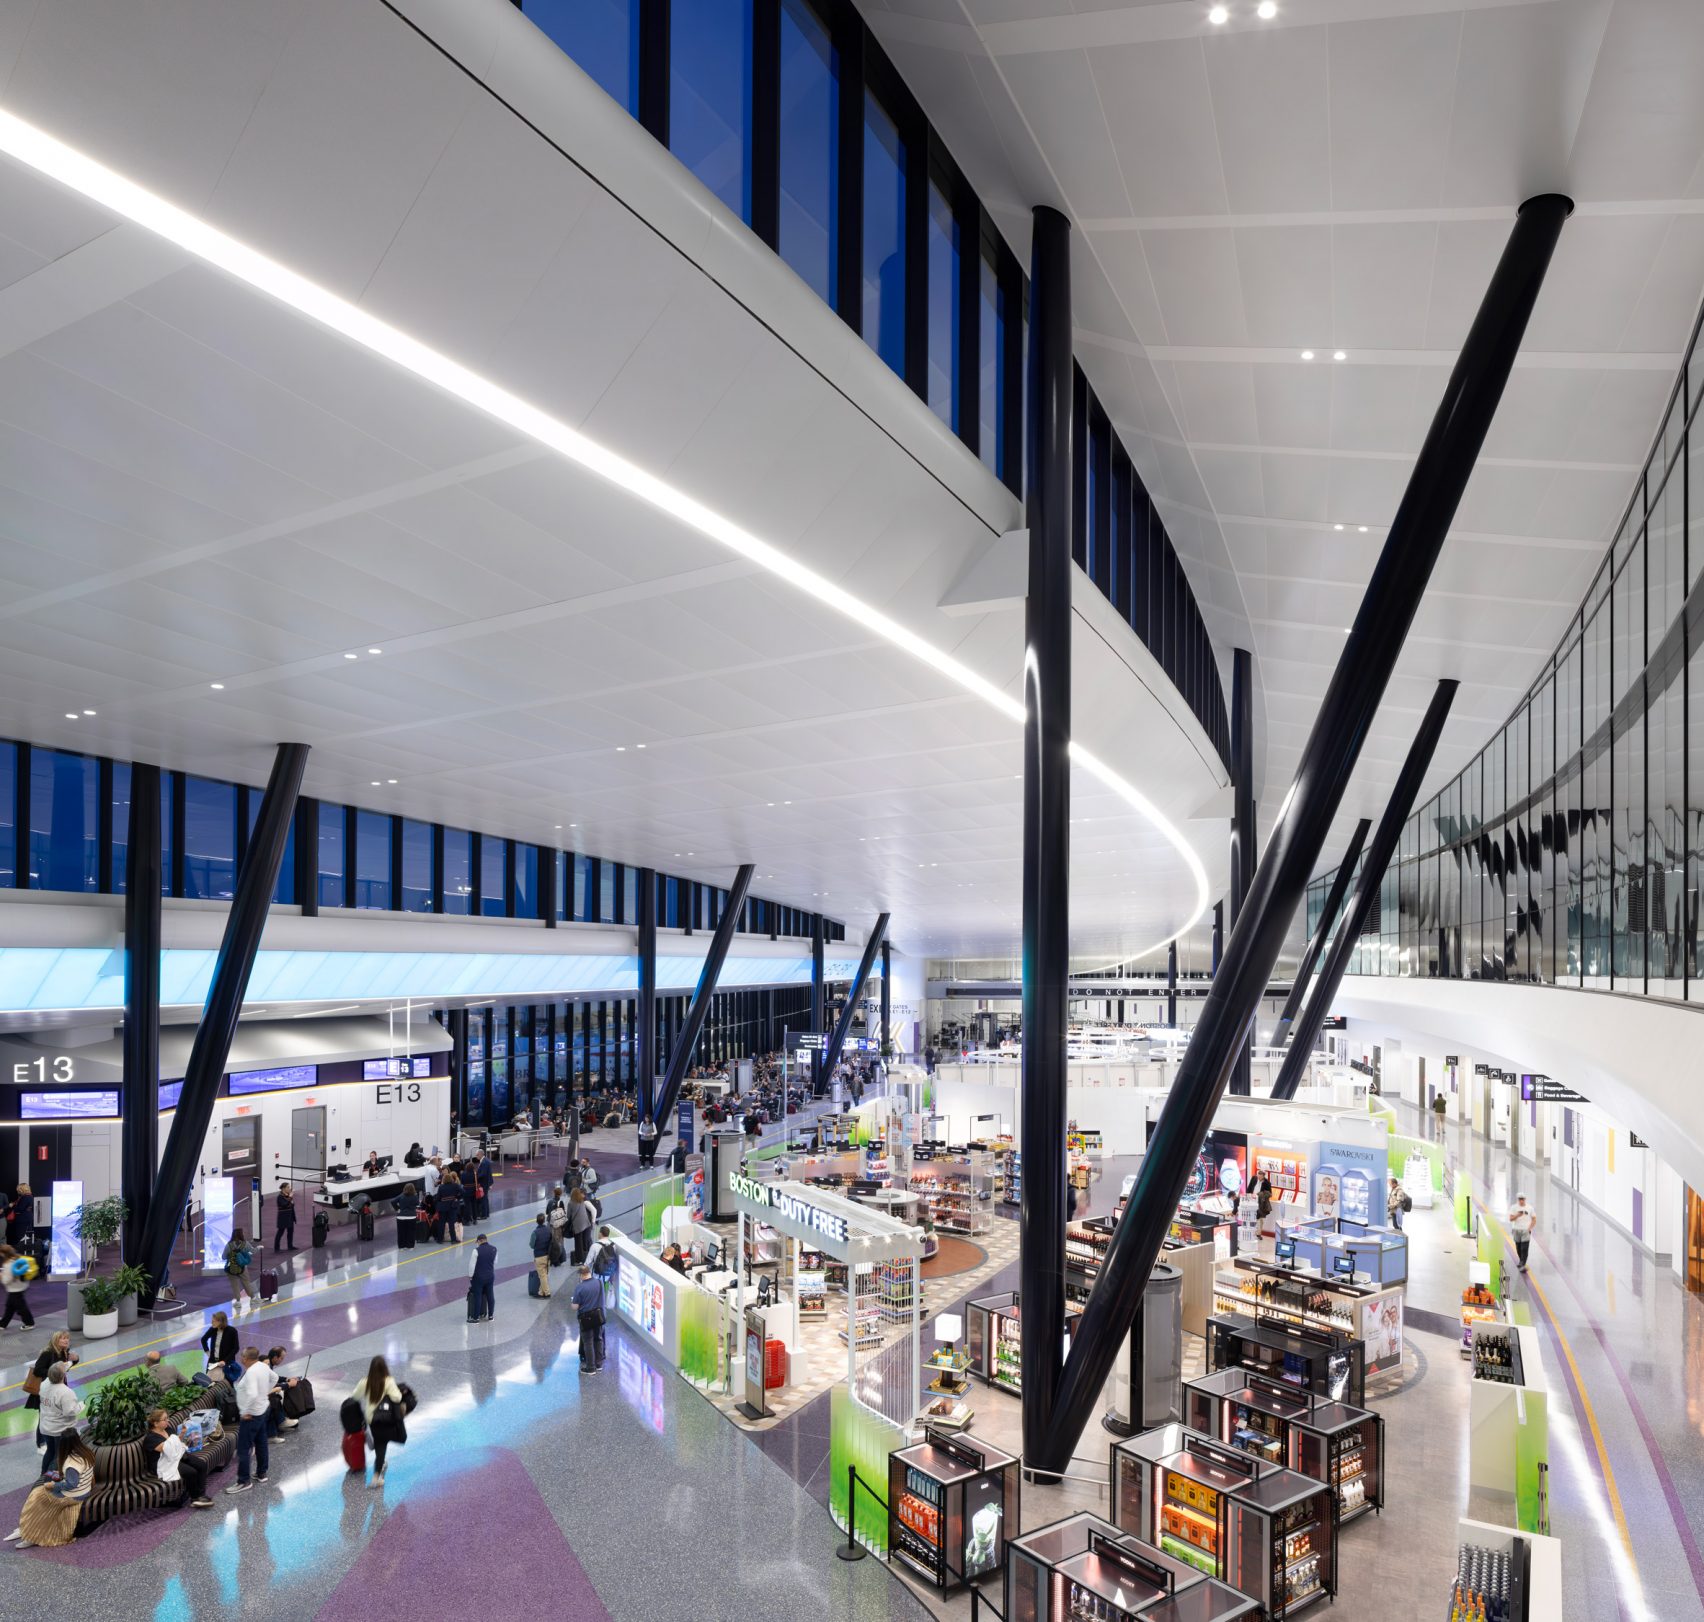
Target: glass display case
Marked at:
1246, 1411
1330, 1365
1083, 1570
994, 1339
1169, 1488
952, 1505
1377, 1254
1345, 1448
1281, 1543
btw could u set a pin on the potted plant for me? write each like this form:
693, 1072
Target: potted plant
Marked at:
129, 1282
118, 1412
100, 1222
100, 1308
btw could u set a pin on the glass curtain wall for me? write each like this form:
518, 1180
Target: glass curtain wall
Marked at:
1571, 850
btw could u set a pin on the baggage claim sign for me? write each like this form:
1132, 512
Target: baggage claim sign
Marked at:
830, 1224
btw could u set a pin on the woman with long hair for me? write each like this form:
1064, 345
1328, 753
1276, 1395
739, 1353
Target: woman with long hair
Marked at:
381, 1401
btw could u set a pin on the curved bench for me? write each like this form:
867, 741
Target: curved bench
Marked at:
125, 1484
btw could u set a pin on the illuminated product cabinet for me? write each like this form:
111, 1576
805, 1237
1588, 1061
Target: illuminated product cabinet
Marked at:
952, 1505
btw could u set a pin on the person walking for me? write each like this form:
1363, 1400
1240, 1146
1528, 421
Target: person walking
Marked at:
57, 1350
254, 1399
61, 1408
1393, 1204
588, 1304
589, 1179
20, 1217
382, 1404
16, 1280
173, 1462
647, 1142
541, 1243
581, 1218
1522, 1220
482, 1287
237, 1256
219, 1342
284, 1235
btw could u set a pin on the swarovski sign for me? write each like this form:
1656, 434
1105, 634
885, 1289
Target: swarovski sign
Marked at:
790, 1207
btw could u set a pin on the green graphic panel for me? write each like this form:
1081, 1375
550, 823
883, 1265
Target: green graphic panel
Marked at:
698, 1334
1532, 1459
659, 1196
861, 1439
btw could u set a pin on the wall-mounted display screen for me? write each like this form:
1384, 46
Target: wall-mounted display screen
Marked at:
396, 1069
169, 1093
66, 1254
67, 1106
274, 1081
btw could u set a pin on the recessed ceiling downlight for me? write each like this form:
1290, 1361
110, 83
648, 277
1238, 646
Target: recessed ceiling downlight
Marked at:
48, 155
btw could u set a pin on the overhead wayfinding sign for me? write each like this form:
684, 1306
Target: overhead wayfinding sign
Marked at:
790, 1208
1542, 1090
807, 1041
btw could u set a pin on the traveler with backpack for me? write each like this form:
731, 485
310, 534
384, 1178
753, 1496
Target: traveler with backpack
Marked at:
539, 1285
603, 1258
588, 1304
384, 1404
237, 1258
1396, 1202
17, 1273
482, 1281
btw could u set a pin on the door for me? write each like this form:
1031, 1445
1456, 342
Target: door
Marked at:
307, 1143
240, 1149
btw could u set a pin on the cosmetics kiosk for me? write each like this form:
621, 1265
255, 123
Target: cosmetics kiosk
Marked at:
952, 1504
1297, 1297
1266, 1531
1325, 1362
1329, 1441
994, 1339
1083, 1570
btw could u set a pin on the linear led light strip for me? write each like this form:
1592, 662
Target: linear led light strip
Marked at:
52, 157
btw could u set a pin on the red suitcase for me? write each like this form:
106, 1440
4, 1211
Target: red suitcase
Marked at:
355, 1450
268, 1283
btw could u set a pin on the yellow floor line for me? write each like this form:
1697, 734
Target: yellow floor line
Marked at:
309, 1299
1585, 1402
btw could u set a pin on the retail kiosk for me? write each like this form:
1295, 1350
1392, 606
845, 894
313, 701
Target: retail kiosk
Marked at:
1268, 1532
1375, 1252
955, 1186
1518, 1573
952, 1506
1282, 1424
1325, 1362
1083, 1570
994, 1339
1302, 1298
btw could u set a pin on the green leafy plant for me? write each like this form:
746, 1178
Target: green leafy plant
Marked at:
100, 1222
99, 1297
181, 1397
130, 1281
119, 1411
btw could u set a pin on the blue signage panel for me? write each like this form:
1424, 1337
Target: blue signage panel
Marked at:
683, 1123
274, 1081
67, 1106
1350, 1182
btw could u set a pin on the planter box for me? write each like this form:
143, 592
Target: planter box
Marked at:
100, 1325
126, 1311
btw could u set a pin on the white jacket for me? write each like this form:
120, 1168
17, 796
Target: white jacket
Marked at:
61, 1408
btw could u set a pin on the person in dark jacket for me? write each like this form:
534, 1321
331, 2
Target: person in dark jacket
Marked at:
285, 1234
57, 1350
588, 1304
581, 1218
220, 1345
647, 1141
482, 1179
482, 1281
448, 1217
541, 1253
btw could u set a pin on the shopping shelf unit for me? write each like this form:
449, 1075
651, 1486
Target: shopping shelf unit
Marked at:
957, 1189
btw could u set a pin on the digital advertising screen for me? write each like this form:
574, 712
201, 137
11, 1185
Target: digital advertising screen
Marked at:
218, 1196
274, 1081
984, 1512
66, 1254
398, 1069
67, 1106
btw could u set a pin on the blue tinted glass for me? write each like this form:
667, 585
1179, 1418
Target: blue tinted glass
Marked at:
809, 102
332, 858
526, 881
564, 897
499, 1090
416, 866
606, 892
884, 235
585, 903
372, 859
710, 96
943, 309
493, 858
284, 889
120, 819
63, 826
458, 869
8, 814
209, 839
168, 826
601, 35
992, 371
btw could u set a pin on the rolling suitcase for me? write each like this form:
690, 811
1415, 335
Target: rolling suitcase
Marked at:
355, 1450
364, 1223
322, 1229
299, 1398
268, 1283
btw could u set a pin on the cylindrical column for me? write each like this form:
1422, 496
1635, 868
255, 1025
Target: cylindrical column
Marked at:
887, 1003
1357, 687
1242, 820
1322, 932
818, 1008
1047, 821
1218, 933
141, 1141
1379, 852
1171, 985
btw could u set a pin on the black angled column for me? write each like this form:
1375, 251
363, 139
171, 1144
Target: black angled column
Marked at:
876, 942
680, 1054
1242, 821
1387, 610
1171, 985
1379, 852
1322, 932
818, 1005
256, 881
141, 1140
1047, 822
887, 1001
645, 1016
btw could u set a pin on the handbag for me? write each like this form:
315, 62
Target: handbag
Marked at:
388, 1421
32, 1384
